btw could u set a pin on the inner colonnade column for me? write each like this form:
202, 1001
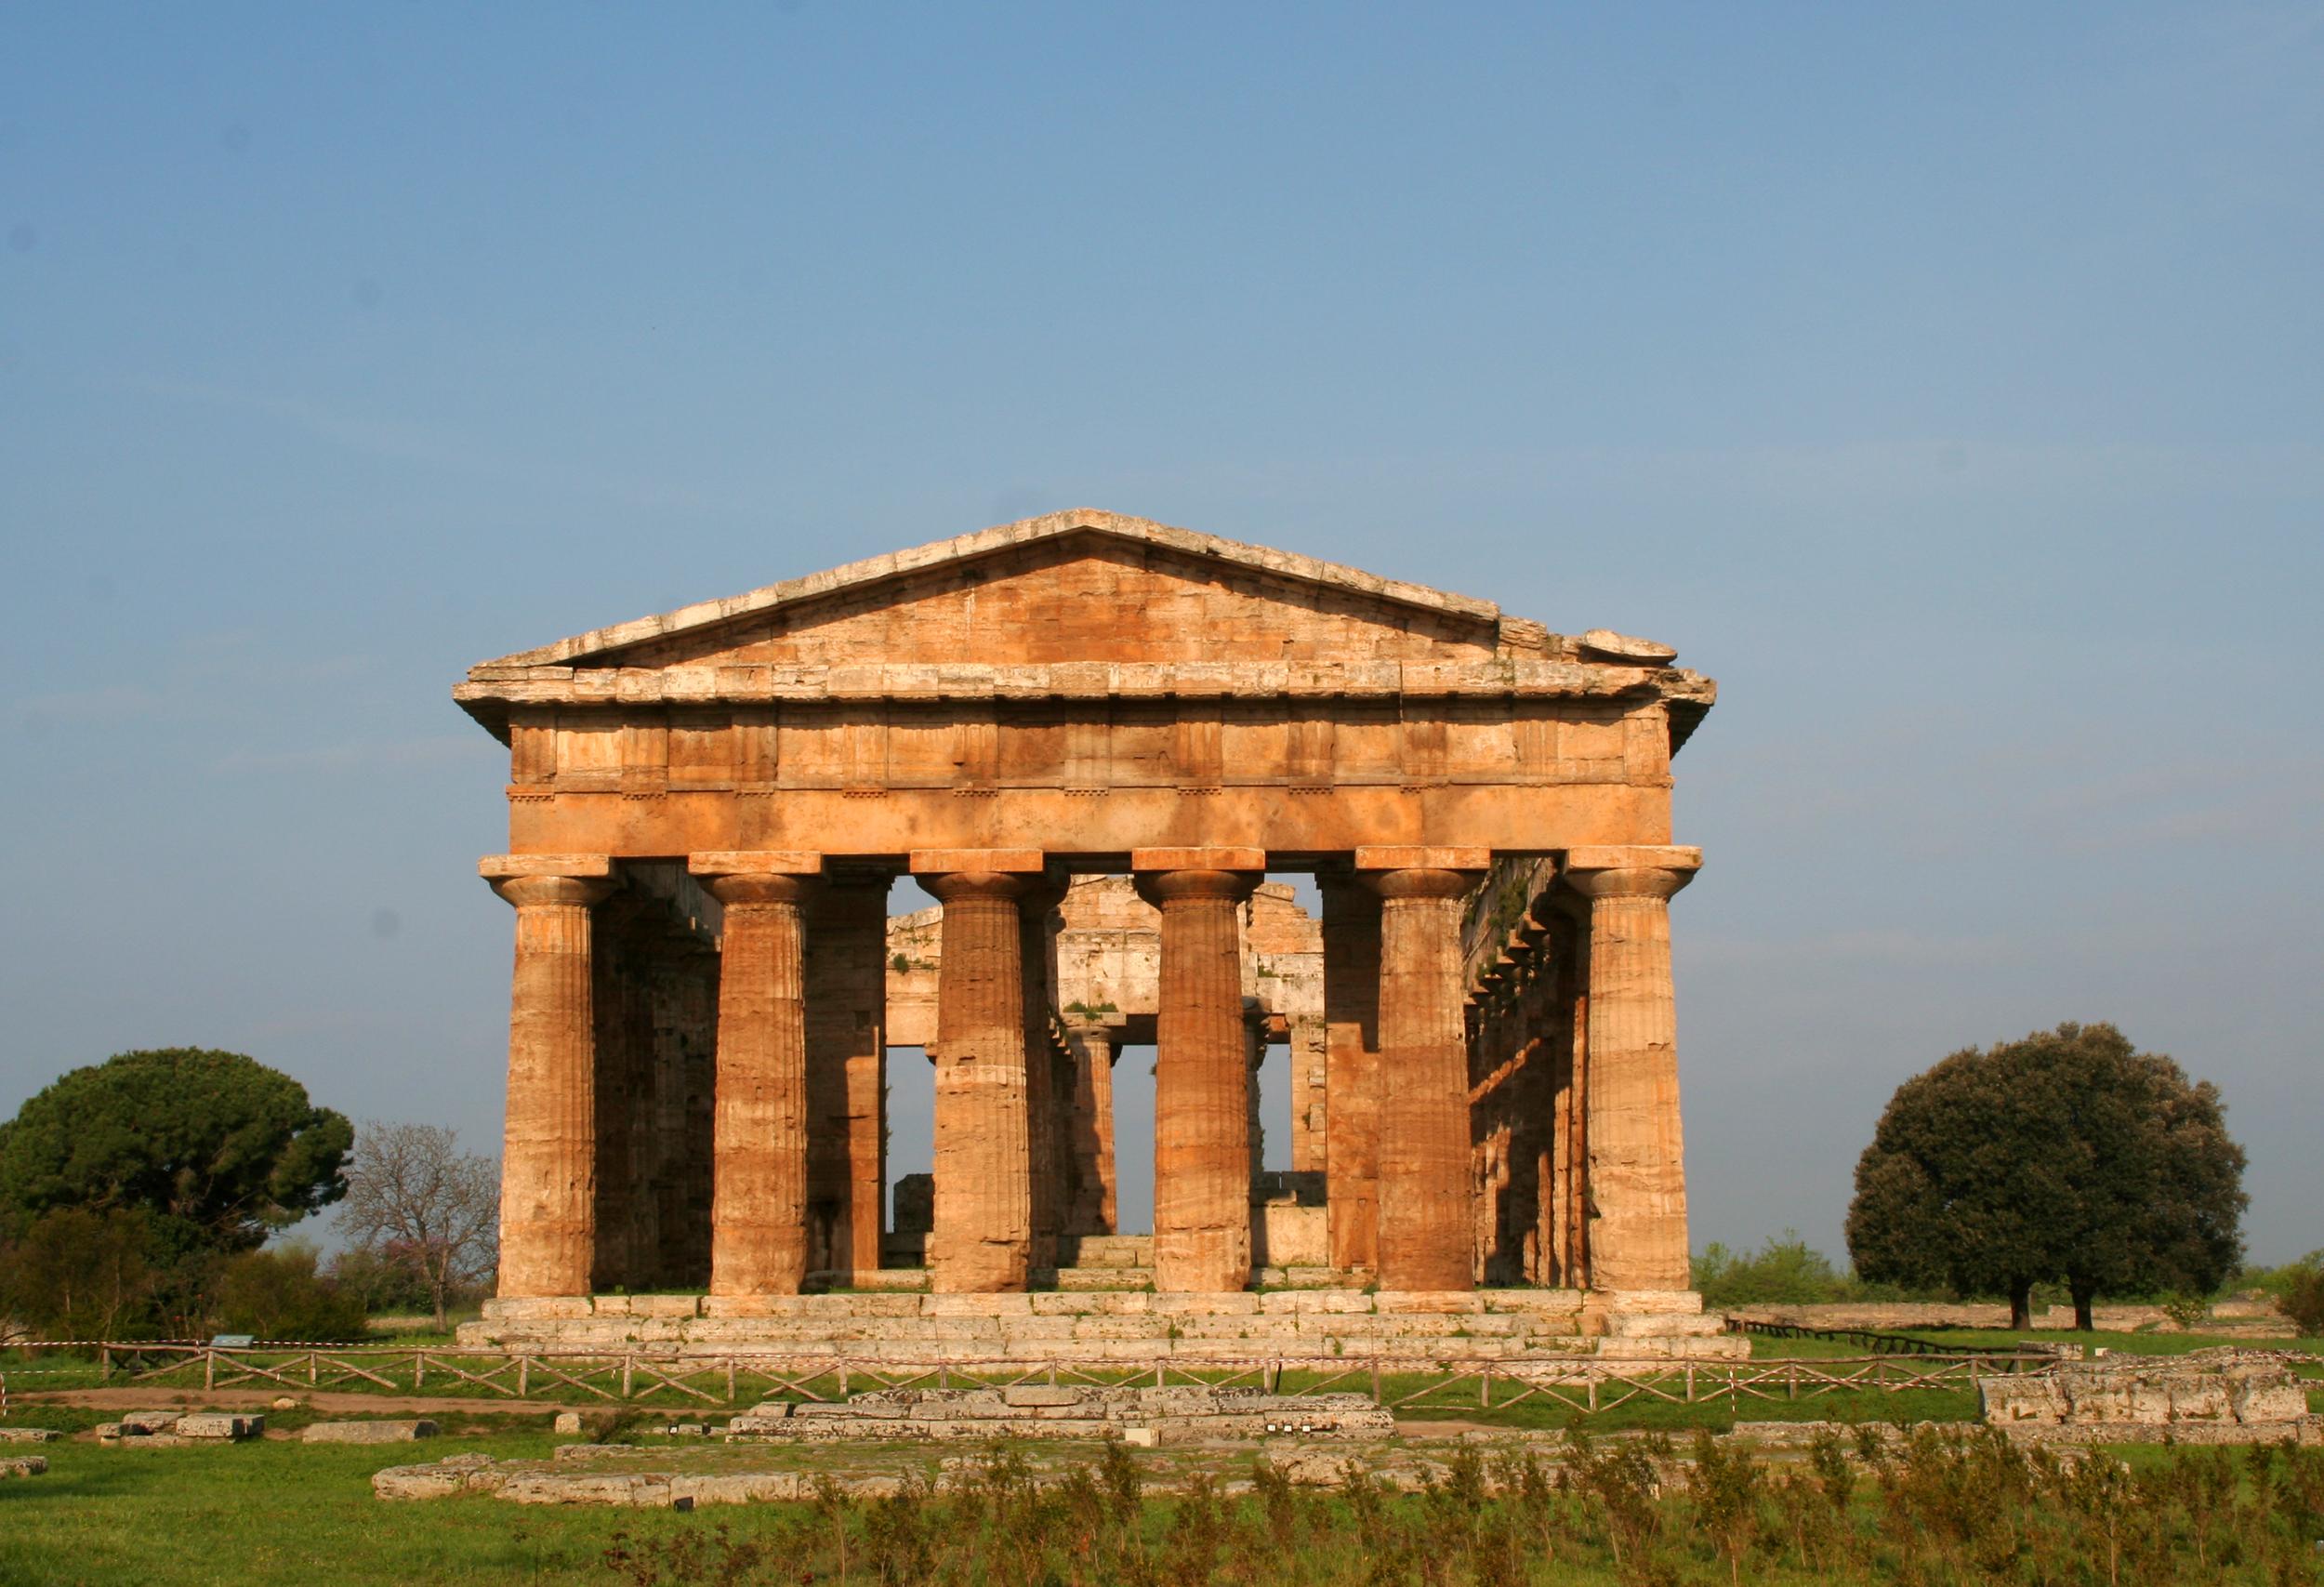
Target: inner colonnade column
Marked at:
1202, 1166
548, 1154
982, 1239
1094, 1043
1351, 932
759, 1138
1633, 1145
1426, 1186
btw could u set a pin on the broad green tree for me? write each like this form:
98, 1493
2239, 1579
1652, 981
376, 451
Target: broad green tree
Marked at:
2068, 1157
217, 1149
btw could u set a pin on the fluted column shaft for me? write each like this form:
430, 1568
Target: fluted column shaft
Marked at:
847, 967
983, 1213
1202, 1174
1092, 1129
1047, 1163
1425, 1181
1635, 1148
548, 1154
759, 1143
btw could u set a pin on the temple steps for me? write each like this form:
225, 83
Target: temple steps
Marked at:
1116, 1325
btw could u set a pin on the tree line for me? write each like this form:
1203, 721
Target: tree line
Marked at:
139, 1198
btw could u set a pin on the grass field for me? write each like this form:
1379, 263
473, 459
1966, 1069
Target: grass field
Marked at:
266, 1513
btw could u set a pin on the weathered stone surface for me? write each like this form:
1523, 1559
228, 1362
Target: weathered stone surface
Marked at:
2208, 1397
567, 1422
1636, 1150
23, 1465
1202, 1082
29, 1435
1008, 709
376, 1432
219, 1426
982, 1239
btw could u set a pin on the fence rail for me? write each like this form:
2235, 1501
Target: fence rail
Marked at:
1873, 1340
646, 1378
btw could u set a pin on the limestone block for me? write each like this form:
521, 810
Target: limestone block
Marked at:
975, 1305
1206, 1302
1293, 1303
417, 1482
745, 1487
223, 1428
650, 1491
149, 1423
1149, 1330
1409, 1300
1560, 1302
1090, 1303
28, 1436
536, 1308
23, 1465
567, 1422
393, 1432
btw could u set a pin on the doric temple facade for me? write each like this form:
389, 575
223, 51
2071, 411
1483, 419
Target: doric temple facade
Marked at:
1092, 738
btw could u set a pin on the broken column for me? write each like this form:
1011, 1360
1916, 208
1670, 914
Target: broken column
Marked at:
1635, 1149
983, 1216
548, 1171
1426, 1231
759, 1198
1202, 1175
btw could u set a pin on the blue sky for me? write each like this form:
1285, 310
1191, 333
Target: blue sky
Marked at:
1947, 381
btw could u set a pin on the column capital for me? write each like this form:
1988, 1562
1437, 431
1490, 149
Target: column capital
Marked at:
1420, 883
1631, 872
548, 879
1198, 859
1161, 888
952, 885
1430, 857
755, 862
939, 862
731, 888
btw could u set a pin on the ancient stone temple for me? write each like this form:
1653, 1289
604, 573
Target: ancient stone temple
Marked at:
1092, 738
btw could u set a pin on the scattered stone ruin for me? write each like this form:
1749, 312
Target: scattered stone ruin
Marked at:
2209, 1396
1092, 738
1140, 1416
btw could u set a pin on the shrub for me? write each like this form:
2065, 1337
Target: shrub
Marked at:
1782, 1271
2301, 1298
278, 1294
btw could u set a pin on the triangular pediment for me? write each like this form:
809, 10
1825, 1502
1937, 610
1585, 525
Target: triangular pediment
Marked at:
1071, 586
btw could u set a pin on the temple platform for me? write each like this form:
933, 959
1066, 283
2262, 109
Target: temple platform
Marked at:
1097, 1326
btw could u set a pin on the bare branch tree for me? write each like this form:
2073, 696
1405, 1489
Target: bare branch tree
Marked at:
412, 1195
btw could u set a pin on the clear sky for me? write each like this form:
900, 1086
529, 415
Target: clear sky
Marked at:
1947, 381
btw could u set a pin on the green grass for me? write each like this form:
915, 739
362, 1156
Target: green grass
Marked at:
271, 1511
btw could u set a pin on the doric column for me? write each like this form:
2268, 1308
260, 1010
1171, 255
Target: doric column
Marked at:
1202, 1173
847, 966
1048, 1163
1094, 1043
1255, 1044
1426, 1230
1351, 930
548, 1154
983, 1215
759, 1147
1636, 1151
